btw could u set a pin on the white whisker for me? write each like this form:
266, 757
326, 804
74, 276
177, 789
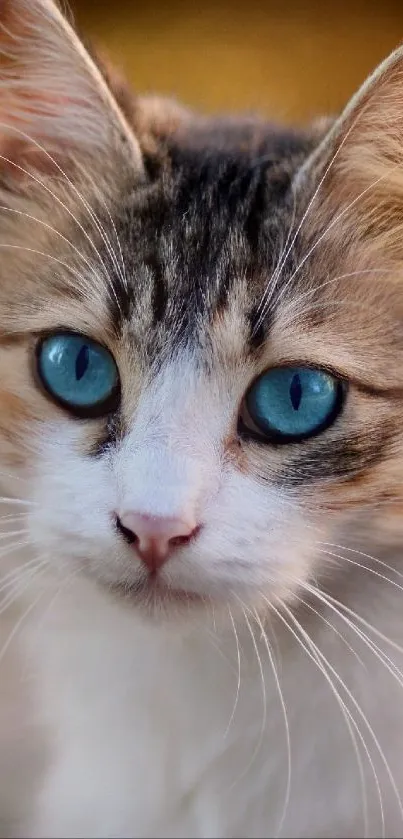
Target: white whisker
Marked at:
121, 269
330, 625
6, 533
5, 500
364, 556
363, 567
361, 272
239, 673
366, 723
6, 550
58, 201
85, 203
68, 579
19, 623
16, 573
362, 621
312, 652
47, 255
22, 586
286, 726
330, 226
264, 698
375, 649
268, 294
57, 233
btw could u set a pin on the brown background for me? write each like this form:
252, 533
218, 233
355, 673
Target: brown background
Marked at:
288, 59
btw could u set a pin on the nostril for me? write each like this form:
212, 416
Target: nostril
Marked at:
130, 537
154, 538
177, 541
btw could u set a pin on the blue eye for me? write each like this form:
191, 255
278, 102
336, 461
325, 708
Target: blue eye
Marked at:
80, 374
288, 404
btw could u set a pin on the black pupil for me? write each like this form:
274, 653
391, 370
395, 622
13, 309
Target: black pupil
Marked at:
82, 362
295, 391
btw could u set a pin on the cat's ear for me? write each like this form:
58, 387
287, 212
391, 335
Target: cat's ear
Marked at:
360, 161
53, 98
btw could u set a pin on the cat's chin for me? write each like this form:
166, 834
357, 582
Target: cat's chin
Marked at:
158, 599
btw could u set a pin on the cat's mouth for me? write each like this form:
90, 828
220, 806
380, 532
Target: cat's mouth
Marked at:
154, 593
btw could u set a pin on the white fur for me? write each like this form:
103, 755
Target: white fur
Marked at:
171, 463
139, 717
158, 724
136, 720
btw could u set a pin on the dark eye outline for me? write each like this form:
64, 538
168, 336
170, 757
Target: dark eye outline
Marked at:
101, 409
248, 429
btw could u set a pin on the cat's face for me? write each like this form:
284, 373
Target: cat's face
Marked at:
201, 335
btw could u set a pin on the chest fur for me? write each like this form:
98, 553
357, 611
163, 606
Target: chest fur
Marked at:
152, 733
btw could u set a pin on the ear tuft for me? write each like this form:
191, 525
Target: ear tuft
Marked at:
51, 92
360, 163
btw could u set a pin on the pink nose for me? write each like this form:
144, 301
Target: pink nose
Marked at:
154, 537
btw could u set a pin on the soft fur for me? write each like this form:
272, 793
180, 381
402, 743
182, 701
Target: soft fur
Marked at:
258, 689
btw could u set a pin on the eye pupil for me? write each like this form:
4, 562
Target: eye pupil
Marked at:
80, 374
82, 362
296, 391
289, 404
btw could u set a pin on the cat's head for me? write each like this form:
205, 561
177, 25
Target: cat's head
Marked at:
201, 331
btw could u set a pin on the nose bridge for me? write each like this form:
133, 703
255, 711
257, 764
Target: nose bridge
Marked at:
159, 481
168, 462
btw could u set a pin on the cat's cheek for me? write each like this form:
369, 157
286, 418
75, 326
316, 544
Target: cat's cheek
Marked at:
257, 544
73, 496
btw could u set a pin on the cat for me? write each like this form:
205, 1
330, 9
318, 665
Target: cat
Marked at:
201, 447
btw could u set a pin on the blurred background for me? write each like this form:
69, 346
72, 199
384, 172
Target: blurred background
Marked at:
287, 59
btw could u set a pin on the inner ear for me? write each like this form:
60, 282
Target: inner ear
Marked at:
359, 164
53, 98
